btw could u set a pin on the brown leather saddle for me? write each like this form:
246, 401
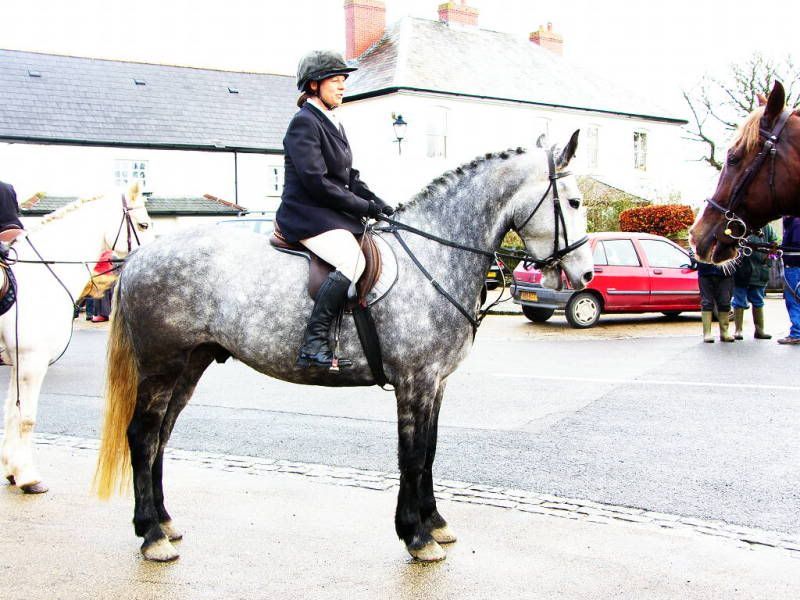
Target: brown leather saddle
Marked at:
319, 269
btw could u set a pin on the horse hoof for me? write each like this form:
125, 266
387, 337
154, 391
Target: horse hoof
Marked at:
443, 535
34, 488
11, 480
430, 552
171, 532
160, 551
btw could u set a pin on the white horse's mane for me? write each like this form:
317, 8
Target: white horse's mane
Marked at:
60, 213
132, 196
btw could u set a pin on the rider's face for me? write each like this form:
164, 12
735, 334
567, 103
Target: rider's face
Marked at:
331, 90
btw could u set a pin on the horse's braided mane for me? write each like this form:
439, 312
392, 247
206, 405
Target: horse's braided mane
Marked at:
60, 213
449, 179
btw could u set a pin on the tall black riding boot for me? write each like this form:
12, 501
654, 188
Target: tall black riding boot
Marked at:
315, 350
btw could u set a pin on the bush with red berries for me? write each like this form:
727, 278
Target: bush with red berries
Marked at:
658, 219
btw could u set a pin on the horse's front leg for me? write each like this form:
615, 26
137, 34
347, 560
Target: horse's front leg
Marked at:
416, 399
432, 521
20, 421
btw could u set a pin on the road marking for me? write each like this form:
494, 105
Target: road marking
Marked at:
749, 386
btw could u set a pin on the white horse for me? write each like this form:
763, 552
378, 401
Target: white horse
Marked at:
36, 331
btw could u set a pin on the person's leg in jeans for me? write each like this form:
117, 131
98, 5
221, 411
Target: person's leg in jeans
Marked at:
792, 277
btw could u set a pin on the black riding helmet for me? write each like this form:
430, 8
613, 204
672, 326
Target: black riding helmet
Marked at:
319, 65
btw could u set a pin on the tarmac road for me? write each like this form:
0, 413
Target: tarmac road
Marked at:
636, 412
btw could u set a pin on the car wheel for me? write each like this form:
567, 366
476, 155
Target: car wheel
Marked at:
583, 310
483, 296
537, 315
671, 314
491, 285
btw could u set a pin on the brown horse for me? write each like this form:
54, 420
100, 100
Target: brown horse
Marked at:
759, 182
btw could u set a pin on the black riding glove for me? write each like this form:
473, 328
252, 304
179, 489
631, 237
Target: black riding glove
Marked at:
373, 210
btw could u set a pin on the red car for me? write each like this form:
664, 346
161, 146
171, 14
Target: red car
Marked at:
633, 273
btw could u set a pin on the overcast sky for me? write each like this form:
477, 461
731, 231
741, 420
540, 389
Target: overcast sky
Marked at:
659, 47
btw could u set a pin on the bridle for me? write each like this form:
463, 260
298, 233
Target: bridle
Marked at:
127, 221
553, 260
736, 228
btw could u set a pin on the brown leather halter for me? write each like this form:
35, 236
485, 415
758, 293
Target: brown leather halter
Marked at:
736, 228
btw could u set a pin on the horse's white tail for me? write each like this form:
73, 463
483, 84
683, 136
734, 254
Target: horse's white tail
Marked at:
113, 469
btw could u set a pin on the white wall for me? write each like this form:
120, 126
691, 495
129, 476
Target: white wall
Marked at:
82, 171
476, 126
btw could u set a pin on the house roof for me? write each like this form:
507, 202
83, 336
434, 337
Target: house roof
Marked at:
206, 205
423, 55
89, 101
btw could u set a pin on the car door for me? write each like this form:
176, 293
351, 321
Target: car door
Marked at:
673, 283
620, 275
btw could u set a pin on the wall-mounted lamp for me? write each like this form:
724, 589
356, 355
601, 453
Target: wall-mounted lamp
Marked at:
399, 131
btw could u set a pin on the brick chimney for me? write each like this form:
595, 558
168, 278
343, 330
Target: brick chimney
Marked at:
364, 24
548, 39
458, 13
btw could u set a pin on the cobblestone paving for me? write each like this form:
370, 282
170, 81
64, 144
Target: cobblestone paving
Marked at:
459, 491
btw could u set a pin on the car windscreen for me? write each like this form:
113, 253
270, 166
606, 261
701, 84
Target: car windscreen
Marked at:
665, 255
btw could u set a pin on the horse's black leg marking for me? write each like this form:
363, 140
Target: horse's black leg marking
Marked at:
201, 357
152, 400
431, 519
415, 406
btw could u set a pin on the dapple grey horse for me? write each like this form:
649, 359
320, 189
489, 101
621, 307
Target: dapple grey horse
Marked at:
202, 295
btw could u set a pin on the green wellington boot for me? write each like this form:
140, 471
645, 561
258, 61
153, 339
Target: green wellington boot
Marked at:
758, 320
708, 316
724, 321
738, 323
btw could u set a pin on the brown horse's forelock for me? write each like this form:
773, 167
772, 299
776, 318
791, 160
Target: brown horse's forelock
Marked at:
749, 134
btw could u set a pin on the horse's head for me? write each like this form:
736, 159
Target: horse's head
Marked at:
131, 225
551, 221
758, 183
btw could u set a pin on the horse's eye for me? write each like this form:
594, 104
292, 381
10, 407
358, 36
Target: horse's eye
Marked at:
143, 226
574, 202
733, 157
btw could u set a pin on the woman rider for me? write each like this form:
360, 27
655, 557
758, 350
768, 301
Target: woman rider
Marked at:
324, 201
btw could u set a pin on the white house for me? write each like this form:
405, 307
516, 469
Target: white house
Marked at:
72, 126
465, 91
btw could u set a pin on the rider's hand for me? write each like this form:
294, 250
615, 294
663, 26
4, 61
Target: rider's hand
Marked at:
373, 210
387, 210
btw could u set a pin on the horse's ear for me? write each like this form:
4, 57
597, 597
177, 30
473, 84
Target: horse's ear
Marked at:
775, 102
541, 140
568, 152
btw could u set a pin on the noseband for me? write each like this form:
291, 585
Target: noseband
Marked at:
736, 228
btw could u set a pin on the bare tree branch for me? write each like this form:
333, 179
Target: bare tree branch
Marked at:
729, 99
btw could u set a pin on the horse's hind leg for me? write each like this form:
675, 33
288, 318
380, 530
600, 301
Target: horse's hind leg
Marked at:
199, 360
144, 432
432, 521
416, 401
17, 452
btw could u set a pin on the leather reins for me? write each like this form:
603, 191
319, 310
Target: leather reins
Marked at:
553, 260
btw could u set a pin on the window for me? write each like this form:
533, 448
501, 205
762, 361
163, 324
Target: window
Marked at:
436, 133
663, 254
618, 253
276, 183
127, 171
593, 146
640, 150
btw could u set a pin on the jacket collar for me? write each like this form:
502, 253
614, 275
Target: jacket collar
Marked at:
326, 122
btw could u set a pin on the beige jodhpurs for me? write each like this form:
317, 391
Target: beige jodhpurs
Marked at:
339, 248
